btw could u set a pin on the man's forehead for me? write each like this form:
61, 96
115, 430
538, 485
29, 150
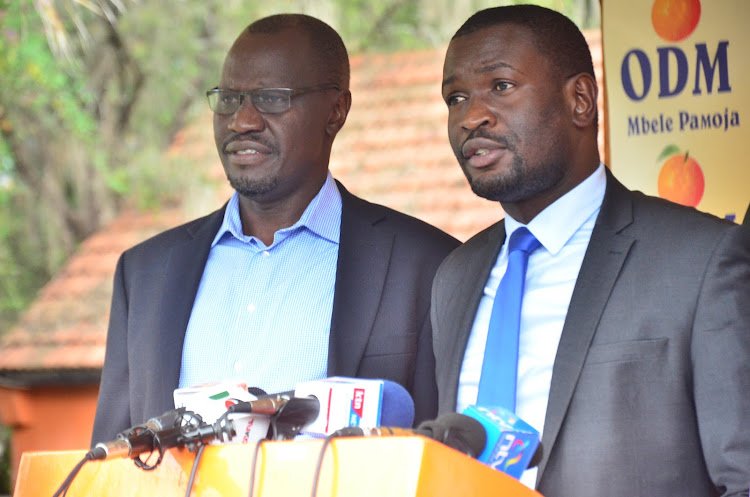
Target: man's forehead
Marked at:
283, 56
488, 49
287, 43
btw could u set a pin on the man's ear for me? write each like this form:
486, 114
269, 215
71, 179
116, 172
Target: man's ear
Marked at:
582, 92
339, 112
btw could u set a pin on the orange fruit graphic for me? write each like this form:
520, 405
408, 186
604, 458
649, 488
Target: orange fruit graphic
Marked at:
680, 179
674, 20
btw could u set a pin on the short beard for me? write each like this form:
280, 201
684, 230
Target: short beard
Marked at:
521, 180
252, 188
519, 183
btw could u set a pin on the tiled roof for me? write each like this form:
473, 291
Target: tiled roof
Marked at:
393, 150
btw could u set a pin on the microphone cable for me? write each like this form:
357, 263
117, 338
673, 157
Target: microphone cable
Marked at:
63, 490
194, 470
191, 433
253, 465
319, 464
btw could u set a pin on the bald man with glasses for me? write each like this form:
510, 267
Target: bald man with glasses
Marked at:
294, 278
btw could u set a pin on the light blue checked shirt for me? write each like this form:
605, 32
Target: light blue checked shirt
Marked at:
262, 314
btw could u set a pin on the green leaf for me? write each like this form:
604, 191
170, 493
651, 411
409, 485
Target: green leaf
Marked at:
668, 151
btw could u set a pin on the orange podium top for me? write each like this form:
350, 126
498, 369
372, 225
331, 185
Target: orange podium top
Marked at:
352, 467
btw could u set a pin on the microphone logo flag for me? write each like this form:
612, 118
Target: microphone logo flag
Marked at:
358, 403
511, 442
343, 402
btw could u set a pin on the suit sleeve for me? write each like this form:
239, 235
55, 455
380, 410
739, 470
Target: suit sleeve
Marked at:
424, 387
113, 405
721, 363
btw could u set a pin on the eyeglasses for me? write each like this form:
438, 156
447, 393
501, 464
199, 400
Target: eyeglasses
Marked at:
265, 100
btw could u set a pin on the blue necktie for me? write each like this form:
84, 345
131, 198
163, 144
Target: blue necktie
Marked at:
497, 385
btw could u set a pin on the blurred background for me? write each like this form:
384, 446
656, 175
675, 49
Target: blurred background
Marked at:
103, 120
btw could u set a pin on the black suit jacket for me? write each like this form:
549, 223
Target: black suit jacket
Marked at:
380, 326
650, 390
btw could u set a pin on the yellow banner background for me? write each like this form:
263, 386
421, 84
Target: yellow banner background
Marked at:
698, 101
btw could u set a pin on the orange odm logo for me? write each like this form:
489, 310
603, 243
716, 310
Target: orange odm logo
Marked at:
674, 20
680, 179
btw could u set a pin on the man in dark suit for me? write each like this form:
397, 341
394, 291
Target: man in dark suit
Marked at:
295, 278
633, 355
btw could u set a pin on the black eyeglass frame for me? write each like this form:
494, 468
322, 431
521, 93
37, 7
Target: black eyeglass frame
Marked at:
213, 94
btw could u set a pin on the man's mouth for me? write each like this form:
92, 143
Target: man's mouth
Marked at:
246, 152
481, 152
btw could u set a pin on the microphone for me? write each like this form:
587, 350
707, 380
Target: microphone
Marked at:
211, 401
512, 444
175, 428
256, 391
288, 413
357, 402
269, 404
457, 431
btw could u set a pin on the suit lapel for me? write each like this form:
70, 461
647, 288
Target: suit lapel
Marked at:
461, 312
182, 276
364, 256
601, 266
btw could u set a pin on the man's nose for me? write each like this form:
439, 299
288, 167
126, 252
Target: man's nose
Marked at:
246, 118
477, 113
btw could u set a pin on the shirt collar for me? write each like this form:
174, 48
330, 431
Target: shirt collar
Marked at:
557, 223
322, 216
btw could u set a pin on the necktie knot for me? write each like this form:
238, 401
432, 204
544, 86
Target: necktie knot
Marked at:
522, 239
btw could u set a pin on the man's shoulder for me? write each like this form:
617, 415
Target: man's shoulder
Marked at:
647, 208
484, 244
407, 227
179, 234
651, 212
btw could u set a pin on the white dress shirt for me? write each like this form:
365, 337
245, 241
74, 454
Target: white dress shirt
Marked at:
564, 230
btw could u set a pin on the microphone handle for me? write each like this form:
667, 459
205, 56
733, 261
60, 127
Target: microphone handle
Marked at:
145, 441
137, 443
267, 405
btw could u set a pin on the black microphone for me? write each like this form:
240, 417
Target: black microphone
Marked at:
175, 428
457, 431
291, 414
288, 413
256, 391
269, 404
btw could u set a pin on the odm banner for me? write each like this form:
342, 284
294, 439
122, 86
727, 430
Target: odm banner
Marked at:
678, 97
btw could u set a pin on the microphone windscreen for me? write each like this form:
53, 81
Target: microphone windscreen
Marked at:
256, 391
397, 408
457, 431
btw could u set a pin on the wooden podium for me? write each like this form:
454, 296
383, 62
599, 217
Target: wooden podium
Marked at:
352, 467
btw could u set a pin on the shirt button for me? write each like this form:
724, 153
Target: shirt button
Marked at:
238, 367
251, 308
266, 253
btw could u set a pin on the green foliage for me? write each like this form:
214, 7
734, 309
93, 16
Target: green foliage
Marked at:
33, 81
86, 110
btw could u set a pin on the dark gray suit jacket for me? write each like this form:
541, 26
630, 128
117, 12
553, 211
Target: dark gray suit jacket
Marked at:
650, 392
380, 326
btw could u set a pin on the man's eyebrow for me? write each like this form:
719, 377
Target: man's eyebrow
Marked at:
448, 80
497, 65
483, 70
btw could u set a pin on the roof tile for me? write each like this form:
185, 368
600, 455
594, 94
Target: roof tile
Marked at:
393, 150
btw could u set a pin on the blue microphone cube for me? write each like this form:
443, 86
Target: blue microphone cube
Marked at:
511, 442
